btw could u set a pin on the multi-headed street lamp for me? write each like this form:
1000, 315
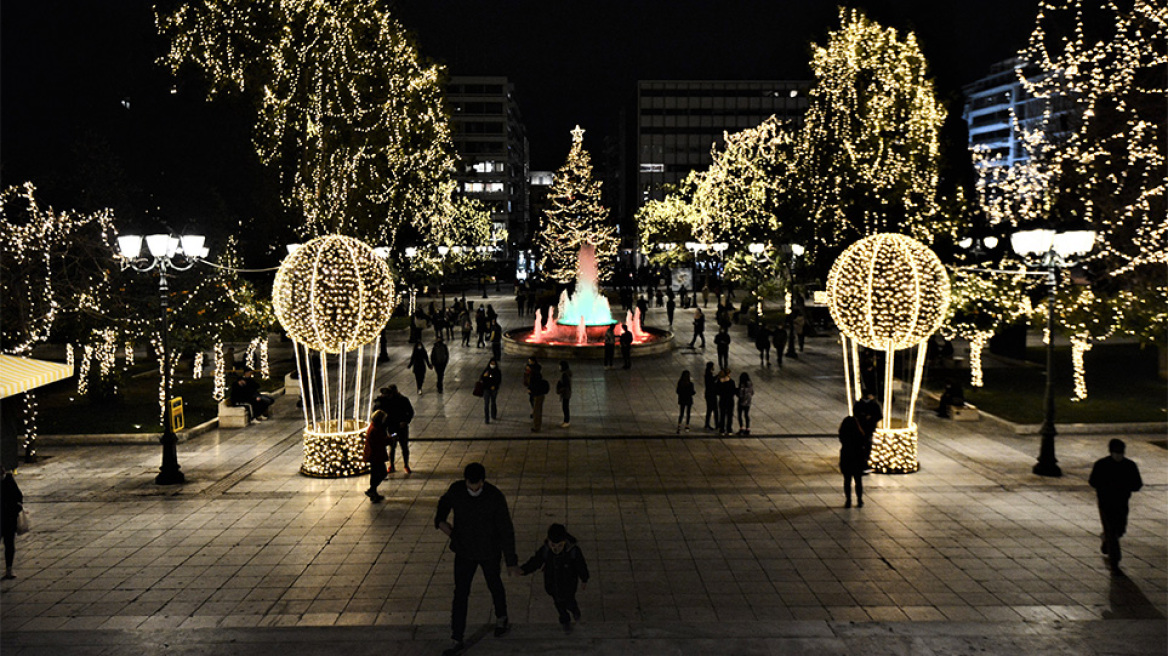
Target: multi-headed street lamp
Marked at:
168, 254
1052, 251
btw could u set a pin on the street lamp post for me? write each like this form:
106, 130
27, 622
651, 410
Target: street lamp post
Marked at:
165, 253
443, 251
1053, 250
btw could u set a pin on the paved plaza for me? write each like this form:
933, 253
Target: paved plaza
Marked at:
697, 544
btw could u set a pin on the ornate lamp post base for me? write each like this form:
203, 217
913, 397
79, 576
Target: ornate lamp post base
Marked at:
169, 473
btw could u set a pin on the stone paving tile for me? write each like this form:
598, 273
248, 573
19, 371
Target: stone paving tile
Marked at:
683, 529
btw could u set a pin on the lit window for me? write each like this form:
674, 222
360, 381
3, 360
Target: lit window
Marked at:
652, 168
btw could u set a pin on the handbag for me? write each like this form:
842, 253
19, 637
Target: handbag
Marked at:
22, 524
478, 388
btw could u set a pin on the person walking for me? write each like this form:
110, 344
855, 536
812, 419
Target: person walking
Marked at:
779, 339
520, 300
762, 342
745, 398
481, 327
726, 390
626, 344
537, 390
496, 340
722, 342
855, 447
609, 347
869, 412
419, 363
399, 412
699, 328
685, 397
376, 454
11, 505
564, 389
480, 536
711, 394
1114, 479
563, 565
467, 328
491, 377
439, 358
670, 308
799, 324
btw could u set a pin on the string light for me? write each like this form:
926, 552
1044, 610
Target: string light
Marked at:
219, 389
129, 355
349, 113
332, 453
197, 366
869, 151
333, 294
575, 217
981, 302
888, 292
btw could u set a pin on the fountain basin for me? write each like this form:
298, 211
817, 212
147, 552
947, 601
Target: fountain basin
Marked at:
516, 342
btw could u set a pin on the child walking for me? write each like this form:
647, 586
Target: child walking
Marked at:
563, 564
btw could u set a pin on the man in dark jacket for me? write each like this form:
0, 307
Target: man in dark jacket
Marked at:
1114, 479
722, 342
400, 413
439, 358
563, 564
246, 390
482, 533
626, 344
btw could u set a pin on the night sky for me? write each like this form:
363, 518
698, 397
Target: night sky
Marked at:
68, 69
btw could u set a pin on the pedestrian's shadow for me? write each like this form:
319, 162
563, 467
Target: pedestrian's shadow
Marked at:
1129, 602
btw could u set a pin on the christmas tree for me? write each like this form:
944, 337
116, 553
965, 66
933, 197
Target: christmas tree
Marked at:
576, 217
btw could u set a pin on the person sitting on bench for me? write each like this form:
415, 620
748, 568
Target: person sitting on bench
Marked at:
246, 391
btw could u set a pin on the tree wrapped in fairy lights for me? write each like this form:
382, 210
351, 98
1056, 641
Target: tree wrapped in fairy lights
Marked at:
869, 150
576, 217
348, 112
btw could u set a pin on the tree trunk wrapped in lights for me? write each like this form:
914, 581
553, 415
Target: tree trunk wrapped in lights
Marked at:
334, 295
888, 292
575, 218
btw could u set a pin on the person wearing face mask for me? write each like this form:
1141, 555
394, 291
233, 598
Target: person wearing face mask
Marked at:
491, 378
563, 564
480, 536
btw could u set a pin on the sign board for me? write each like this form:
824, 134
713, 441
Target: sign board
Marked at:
176, 414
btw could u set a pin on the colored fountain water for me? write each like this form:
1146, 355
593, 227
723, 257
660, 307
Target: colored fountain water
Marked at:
578, 324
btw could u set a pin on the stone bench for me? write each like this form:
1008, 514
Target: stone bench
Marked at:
234, 416
966, 412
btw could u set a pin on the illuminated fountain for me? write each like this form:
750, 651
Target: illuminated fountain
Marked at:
577, 326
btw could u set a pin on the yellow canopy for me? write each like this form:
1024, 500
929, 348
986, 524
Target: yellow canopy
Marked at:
22, 374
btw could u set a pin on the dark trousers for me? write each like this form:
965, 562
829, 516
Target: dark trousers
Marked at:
609, 354
490, 409
724, 358
464, 570
9, 546
482, 339
744, 417
726, 415
441, 374
627, 355
497, 350
764, 355
702, 336
859, 479
712, 409
420, 377
1114, 519
566, 401
684, 411
465, 338
377, 473
403, 438
565, 605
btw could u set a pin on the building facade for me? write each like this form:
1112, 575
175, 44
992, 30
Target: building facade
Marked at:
999, 112
490, 139
678, 122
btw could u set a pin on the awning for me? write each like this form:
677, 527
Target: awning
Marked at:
22, 374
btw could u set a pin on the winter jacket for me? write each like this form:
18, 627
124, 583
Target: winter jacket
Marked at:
1115, 481
376, 441
491, 378
419, 361
855, 447
560, 570
685, 392
11, 503
723, 342
564, 386
482, 524
745, 396
440, 356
